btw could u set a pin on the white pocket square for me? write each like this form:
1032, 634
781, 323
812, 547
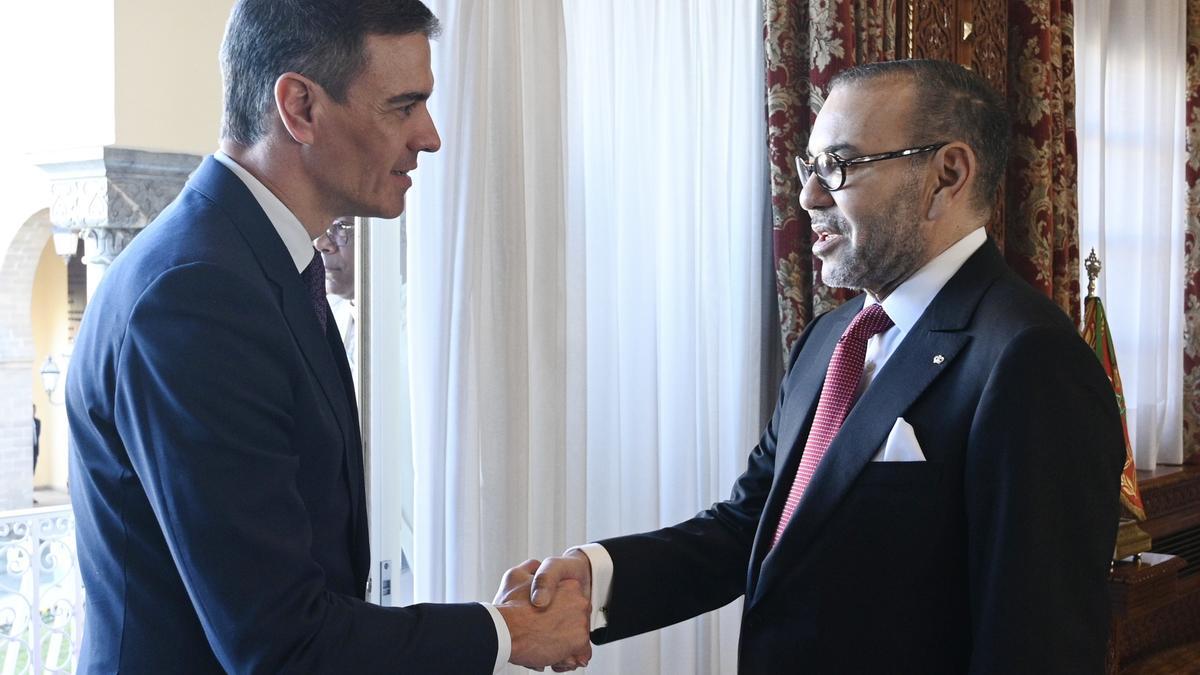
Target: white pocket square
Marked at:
901, 445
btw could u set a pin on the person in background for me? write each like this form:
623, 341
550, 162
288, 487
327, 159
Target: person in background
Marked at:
336, 245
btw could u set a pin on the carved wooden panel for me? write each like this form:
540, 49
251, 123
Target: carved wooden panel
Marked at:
931, 29
989, 41
972, 33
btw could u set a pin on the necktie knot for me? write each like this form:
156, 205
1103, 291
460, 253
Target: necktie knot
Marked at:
838, 394
314, 278
870, 321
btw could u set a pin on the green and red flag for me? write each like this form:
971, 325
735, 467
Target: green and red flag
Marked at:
1098, 337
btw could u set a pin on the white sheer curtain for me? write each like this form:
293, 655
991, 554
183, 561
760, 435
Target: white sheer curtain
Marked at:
1130, 87
666, 122
495, 478
587, 291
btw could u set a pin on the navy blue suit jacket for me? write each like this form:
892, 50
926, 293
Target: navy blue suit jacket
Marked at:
989, 557
216, 467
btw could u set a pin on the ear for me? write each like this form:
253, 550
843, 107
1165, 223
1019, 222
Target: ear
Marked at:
954, 170
296, 98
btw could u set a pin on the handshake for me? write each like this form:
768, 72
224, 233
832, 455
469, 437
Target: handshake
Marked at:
547, 606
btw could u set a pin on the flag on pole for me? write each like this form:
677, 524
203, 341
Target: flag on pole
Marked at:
1096, 334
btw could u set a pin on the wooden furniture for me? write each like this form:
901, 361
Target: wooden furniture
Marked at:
1156, 601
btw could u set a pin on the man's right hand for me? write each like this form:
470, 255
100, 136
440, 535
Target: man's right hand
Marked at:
553, 633
574, 565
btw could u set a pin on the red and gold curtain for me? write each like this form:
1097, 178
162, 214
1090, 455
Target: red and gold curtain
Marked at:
1041, 236
1191, 303
807, 43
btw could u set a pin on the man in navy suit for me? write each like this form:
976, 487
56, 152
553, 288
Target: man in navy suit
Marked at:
937, 491
216, 470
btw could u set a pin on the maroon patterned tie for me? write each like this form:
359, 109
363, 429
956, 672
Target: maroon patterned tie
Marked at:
314, 277
837, 398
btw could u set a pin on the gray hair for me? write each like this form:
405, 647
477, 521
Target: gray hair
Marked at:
955, 104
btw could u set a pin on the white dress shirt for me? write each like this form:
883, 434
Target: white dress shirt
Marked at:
905, 306
300, 247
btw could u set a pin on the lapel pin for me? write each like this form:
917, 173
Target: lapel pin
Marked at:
939, 360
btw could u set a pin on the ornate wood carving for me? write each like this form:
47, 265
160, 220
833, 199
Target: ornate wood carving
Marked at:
973, 33
989, 39
932, 33
1175, 623
1170, 492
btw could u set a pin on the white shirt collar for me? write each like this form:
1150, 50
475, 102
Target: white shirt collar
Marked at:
290, 230
907, 303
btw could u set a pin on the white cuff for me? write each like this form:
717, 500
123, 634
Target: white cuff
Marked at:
602, 573
503, 638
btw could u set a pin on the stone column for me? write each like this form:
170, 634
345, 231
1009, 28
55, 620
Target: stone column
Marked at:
108, 194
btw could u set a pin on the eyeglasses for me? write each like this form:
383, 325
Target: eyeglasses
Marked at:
830, 168
341, 232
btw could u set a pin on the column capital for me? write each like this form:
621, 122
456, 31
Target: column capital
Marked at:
111, 186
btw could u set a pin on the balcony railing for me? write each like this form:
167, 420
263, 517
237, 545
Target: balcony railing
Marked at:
41, 592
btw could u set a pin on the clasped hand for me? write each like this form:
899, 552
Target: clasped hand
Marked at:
547, 606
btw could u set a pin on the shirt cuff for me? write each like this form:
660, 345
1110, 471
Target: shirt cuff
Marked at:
602, 573
503, 638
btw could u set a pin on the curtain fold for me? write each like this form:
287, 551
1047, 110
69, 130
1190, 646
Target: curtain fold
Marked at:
1131, 84
1041, 237
807, 43
586, 302
667, 198
1191, 302
495, 479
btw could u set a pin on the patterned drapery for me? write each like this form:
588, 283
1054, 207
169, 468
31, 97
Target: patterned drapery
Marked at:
809, 41
1041, 237
1191, 306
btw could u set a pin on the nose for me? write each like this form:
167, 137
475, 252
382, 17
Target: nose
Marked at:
426, 139
325, 245
814, 196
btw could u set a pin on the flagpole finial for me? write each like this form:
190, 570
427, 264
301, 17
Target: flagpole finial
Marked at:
1092, 265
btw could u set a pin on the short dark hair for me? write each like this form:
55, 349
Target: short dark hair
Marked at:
324, 40
955, 104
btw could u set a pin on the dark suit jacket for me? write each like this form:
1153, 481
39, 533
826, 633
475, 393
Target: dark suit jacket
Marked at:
216, 468
989, 557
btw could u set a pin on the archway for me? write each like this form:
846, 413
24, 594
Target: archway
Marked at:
18, 268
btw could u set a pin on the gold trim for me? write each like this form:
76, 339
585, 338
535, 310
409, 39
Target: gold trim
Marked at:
911, 21
1092, 265
1131, 540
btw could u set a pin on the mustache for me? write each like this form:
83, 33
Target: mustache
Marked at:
828, 222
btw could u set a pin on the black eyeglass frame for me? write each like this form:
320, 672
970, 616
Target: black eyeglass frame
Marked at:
807, 169
339, 232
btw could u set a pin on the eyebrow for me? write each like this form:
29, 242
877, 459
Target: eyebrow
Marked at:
835, 149
408, 97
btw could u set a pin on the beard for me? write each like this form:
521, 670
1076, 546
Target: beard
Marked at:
891, 250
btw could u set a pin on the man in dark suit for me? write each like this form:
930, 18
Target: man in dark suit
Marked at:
216, 470
937, 491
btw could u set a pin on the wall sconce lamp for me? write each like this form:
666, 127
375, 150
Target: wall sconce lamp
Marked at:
66, 242
50, 375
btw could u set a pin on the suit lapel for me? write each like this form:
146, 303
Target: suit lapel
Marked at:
800, 404
803, 395
231, 194
910, 370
